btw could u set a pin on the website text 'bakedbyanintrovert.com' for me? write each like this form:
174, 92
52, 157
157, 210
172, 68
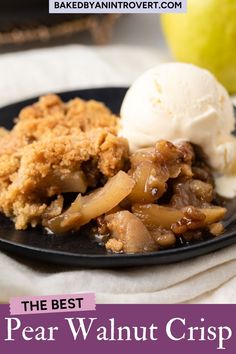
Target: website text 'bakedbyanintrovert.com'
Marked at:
128, 6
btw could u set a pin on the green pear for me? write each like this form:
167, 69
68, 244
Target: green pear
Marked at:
205, 36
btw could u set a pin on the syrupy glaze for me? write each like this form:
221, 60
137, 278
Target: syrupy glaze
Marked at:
228, 222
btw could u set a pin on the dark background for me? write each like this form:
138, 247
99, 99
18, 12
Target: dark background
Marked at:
22, 12
26, 24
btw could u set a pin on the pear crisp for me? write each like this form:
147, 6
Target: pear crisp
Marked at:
146, 201
56, 148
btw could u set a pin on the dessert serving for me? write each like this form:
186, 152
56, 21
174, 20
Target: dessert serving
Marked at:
146, 182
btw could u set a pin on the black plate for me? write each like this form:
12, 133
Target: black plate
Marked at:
81, 250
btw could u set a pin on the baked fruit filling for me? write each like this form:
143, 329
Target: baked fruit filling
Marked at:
141, 202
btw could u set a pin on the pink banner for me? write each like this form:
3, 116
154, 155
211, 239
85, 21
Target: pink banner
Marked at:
52, 303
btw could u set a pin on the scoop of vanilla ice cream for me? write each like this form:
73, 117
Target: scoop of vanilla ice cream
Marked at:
178, 101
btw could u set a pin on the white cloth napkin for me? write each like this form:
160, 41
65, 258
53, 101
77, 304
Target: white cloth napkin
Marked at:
207, 279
